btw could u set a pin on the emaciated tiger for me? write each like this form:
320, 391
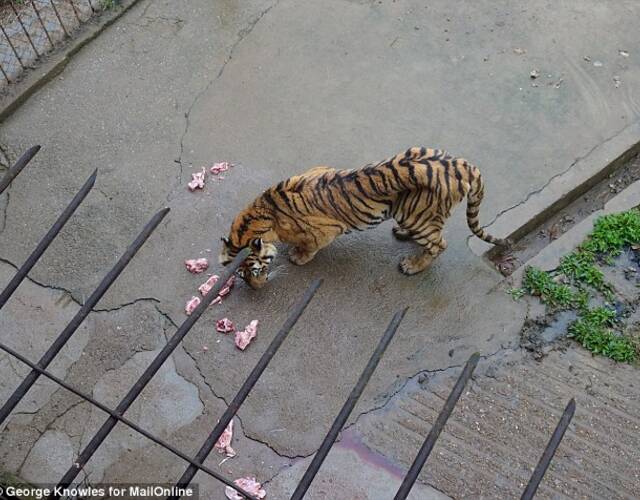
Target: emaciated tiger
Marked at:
418, 188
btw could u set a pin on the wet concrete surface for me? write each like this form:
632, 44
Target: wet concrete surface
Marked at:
277, 87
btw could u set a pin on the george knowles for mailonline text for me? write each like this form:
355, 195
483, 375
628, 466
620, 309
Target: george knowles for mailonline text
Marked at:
142, 491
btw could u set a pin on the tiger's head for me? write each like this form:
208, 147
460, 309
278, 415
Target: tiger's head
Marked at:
255, 269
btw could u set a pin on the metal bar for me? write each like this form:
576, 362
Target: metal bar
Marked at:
84, 311
13, 172
46, 32
121, 419
549, 451
55, 9
346, 410
251, 380
48, 238
24, 28
148, 374
15, 52
73, 6
443, 416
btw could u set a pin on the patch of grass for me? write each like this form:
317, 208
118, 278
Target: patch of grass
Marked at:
541, 283
611, 233
593, 331
516, 293
568, 286
109, 4
580, 267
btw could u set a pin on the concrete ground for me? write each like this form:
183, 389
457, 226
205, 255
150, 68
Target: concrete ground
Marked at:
276, 87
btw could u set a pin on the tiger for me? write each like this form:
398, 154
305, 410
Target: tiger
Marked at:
417, 188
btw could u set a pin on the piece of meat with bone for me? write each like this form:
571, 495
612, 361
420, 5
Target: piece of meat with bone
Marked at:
197, 180
248, 484
244, 337
225, 325
223, 445
197, 266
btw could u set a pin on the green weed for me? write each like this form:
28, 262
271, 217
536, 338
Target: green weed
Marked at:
593, 331
611, 233
540, 283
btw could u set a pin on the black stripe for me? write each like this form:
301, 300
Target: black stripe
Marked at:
459, 179
396, 176
384, 181
412, 174
364, 193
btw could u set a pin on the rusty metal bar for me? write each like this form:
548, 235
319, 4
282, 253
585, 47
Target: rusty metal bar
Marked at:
435, 431
15, 52
24, 28
13, 172
75, 12
249, 383
48, 238
55, 9
549, 451
346, 410
120, 418
84, 311
148, 374
44, 28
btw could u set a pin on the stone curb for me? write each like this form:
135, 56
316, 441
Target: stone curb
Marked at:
549, 256
563, 189
55, 62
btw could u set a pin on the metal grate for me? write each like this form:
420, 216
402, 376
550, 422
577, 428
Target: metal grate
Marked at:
196, 463
31, 28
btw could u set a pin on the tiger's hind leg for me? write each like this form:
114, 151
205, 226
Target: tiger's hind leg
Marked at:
432, 243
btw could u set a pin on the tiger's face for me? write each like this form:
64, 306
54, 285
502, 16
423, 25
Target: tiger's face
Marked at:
255, 269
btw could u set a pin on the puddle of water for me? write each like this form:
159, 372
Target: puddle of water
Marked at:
558, 328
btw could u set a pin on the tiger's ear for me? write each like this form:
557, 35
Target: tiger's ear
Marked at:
225, 241
256, 244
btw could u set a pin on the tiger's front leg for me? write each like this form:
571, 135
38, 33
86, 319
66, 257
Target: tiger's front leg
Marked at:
306, 246
300, 255
432, 244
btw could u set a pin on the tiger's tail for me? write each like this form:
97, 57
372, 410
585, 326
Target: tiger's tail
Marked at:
474, 199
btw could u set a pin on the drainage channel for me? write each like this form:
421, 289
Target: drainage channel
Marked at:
562, 220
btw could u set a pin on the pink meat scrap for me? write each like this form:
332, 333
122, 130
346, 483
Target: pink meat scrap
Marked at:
196, 266
191, 305
226, 289
244, 337
223, 445
206, 287
218, 168
248, 484
225, 325
197, 180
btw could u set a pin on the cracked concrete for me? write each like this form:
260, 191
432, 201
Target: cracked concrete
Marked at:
277, 87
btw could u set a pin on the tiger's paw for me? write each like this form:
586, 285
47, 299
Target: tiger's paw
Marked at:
401, 234
300, 257
414, 264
